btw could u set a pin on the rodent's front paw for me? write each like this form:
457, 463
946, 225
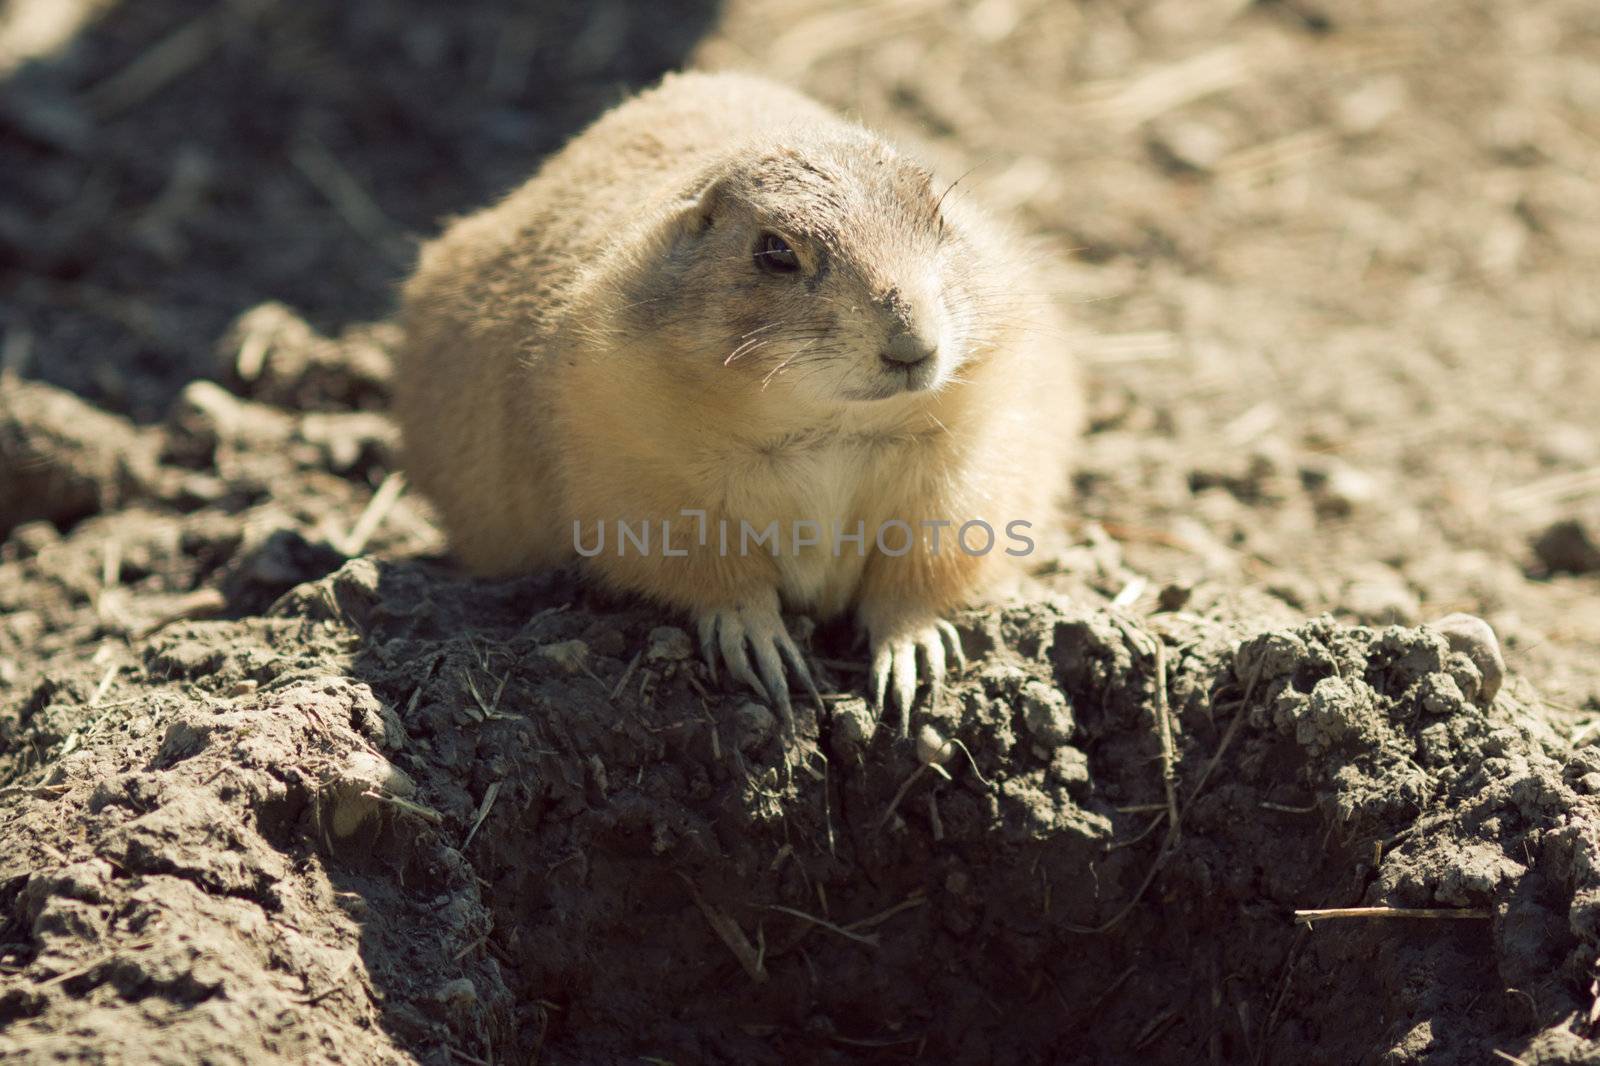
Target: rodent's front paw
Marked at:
894, 657
725, 631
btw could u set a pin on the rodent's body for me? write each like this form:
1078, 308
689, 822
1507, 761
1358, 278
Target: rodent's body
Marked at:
601, 347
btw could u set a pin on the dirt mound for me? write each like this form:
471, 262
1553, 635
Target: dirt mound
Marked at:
405, 814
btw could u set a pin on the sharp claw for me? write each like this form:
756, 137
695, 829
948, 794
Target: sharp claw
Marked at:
881, 662
798, 662
905, 683
895, 660
749, 677
811, 690
785, 712
761, 690
733, 653
738, 635
954, 638
933, 650
771, 667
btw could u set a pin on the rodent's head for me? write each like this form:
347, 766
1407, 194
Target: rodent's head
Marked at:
824, 270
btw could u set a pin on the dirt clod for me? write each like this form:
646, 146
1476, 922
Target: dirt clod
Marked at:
61, 459
1571, 545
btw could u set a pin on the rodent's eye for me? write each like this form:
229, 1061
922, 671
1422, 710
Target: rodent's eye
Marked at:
774, 255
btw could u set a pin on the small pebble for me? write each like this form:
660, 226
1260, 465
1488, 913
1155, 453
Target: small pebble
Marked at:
1473, 637
1190, 144
1369, 106
753, 724
1338, 490
458, 994
932, 747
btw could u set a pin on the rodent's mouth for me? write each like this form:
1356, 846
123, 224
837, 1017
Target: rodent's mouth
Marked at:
898, 378
916, 376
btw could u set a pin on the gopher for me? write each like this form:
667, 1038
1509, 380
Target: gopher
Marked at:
737, 354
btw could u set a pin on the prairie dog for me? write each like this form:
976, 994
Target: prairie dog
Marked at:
724, 300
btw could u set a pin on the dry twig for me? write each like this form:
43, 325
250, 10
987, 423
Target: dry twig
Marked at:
1316, 915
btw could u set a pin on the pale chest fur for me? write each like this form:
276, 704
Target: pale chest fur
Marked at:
815, 490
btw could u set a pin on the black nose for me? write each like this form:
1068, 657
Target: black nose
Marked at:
908, 349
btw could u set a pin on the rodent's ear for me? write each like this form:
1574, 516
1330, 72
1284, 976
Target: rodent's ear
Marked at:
696, 212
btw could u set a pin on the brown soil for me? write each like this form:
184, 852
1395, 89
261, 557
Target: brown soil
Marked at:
277, 784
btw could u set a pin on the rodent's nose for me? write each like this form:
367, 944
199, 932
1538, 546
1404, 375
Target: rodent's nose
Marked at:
907, 348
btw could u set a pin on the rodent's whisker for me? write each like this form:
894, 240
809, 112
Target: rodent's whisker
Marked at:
777, 369
744, 349
641, 303
812, 369
1038, 329
949, 188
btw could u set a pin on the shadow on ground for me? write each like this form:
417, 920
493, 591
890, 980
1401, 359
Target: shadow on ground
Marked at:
180, 161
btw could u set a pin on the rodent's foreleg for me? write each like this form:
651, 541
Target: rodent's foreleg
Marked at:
901, 604
757, 621
895, 658
733, 599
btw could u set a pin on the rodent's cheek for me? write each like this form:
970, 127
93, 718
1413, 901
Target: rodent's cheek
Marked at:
837, 379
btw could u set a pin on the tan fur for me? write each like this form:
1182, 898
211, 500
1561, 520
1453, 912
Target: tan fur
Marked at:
567, 358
